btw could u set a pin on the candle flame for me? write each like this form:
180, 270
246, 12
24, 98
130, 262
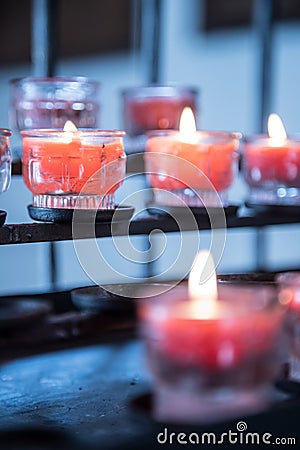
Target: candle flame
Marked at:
69, 130
187, 126
70, 126
202, 279
276, 130
202, 286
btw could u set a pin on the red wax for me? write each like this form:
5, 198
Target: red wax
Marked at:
264, 163
54, 166
216, 344
214, 160
156, 113
242, 327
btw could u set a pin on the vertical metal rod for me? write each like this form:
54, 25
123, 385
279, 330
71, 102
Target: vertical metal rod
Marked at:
263, 22
150, 37
43, 57
53, 265
44, 37
150, 48
135, 25
261, 249
155, 74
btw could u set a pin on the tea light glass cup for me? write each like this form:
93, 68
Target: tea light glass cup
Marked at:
212, 366
81, 169
193, 173
48, 102
5, 159
38, 102
271, 171
289, 291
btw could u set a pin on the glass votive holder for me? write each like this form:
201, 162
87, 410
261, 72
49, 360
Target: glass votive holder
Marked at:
198, 172
289, 292
210, 364
48, 102
155, 107
5, 159
38, 102
81, 169
272, 170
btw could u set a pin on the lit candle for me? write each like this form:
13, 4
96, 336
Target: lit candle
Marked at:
271, 165
207, 341
201, 161
59, 165
210, 330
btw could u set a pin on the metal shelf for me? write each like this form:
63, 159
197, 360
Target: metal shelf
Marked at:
49, 232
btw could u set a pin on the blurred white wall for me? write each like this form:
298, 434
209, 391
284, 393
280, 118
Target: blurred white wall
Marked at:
223, 65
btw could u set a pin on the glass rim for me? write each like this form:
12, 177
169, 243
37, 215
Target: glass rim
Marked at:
255, 138
220, 135
50, 80
86, 132
159, 90
288, 278
5, 132
255, 299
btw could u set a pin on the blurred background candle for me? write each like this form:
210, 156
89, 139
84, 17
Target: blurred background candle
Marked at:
64, 168
156, 107
48, 102
213, 350
191, 164
289, 291
271, 166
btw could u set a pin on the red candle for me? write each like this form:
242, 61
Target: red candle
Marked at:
235, 334
213, 352
271, 165
213, 159
155, 107
63, 163
267, 164
199, 160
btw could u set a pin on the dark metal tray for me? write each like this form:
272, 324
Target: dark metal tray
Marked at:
155, 209
65, 215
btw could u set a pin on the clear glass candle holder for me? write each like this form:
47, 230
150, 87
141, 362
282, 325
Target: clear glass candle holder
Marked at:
272, 170
79, 169
212, 365
38, 102
155, 107
48, 102
195, 172
289, 291
5, 159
